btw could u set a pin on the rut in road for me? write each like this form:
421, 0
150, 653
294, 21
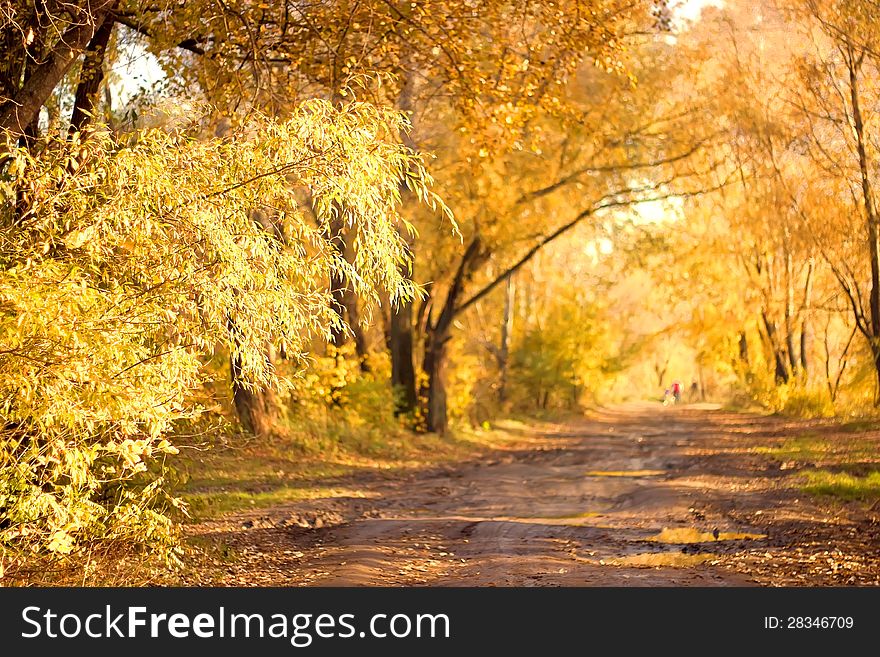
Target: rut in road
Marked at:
634, 495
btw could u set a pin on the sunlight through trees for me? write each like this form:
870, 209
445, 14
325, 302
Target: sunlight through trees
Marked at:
325, 222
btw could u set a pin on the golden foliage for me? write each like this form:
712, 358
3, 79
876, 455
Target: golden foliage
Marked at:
123, 266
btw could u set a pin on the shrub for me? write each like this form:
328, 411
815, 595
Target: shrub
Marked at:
124, 266
808, 402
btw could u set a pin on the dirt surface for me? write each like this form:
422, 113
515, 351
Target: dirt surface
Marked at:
636, 495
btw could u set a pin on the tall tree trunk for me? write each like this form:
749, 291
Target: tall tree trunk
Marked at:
438, 334
791, 349
744, 358
434, 389
805, 325
23, 200
401, 339
361, 347
344, 300
90, 77
875, 353
403, 373
781, 369
781, 373
805, 369
338, 284
11, 77
660, 371
854, 65
702, 381
506, 330
256, 408
790, 339
743, 348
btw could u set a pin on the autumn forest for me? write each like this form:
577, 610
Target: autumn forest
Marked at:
423, 293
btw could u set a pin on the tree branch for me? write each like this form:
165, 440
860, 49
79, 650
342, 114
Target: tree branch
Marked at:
187, 44
18, 112
571, 224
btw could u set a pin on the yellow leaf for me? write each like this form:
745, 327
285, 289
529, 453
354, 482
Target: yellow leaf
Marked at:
61, 542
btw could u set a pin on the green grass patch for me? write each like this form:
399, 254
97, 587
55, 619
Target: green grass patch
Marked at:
812, 448
842, 485
211, 504
318, 460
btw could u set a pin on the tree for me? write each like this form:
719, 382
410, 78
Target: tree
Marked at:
41, 43
830, 96
488, 69
125, 275
620, 150
770, 259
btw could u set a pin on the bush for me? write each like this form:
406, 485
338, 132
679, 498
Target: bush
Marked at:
807, 402
337, 407
123, 267
568, 359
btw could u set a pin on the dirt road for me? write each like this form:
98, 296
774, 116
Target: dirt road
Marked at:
635, 495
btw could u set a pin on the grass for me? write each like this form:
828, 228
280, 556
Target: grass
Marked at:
202, 505
842, 485
316, 461
813, 448
848, 462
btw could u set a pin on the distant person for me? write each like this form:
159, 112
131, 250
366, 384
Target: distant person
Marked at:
676, 392
667, 397
695, 391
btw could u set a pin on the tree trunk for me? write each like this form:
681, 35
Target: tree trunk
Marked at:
19, 111
743, 348
805, 370
870, 210
338, 283
23, 201
702, 381
842, 361
790, 339
403, 374
434, 390
660, 372
437, 335
91, 76
256, 408
361, 348
805, 326
791, 351
506, 330
781, 373
401, 340
875, 354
